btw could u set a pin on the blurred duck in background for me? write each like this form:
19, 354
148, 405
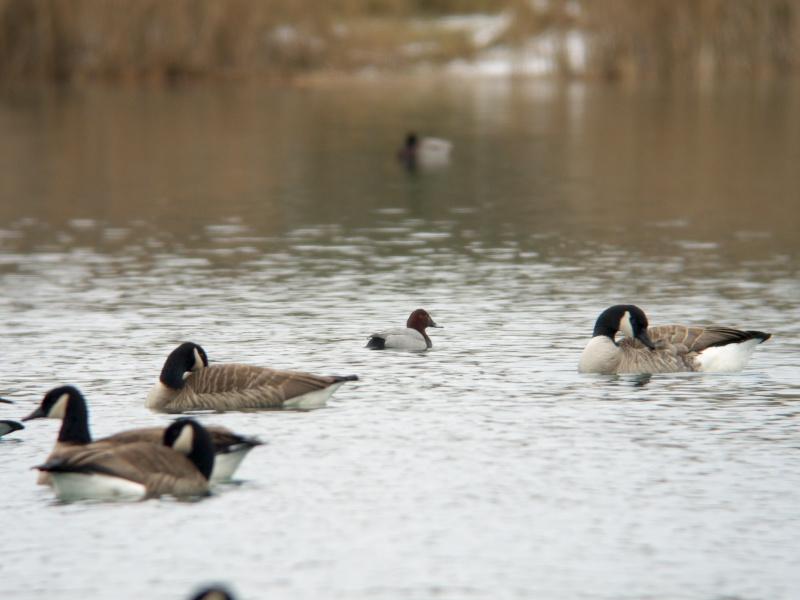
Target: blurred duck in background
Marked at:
425, 152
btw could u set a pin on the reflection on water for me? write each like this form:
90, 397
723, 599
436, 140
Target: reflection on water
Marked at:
274, 226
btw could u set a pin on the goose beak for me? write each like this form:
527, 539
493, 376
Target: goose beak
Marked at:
645, 339
37, 414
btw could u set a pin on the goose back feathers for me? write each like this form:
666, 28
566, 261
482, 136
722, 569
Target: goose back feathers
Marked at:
187, 383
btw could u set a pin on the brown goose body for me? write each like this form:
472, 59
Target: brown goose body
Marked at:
159, 470
241, 387
226, 445
664, 348
69, 405
187, 383
180, 466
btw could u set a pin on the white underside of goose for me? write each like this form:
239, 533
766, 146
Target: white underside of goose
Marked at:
727, 358
315, 399
71, 487
158, 396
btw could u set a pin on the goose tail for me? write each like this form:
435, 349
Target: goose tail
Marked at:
758, 335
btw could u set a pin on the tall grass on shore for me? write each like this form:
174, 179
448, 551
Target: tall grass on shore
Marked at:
700, 39
165, 40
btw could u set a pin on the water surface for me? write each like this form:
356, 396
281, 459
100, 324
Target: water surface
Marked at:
274, 227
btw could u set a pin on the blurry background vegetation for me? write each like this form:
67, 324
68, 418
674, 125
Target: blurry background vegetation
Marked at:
169, 40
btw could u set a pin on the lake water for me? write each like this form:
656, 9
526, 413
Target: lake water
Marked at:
273, 226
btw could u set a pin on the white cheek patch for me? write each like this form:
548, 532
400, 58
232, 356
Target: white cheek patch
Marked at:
625, 326
198, 361
185, 440
59, 408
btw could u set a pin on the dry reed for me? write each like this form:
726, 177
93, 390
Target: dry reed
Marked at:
166, 40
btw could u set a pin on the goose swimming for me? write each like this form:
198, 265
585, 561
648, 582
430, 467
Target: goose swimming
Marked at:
664, 348
179, 467
68, 404
187, 383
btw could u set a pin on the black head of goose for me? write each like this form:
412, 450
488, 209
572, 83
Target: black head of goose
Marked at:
188, 383
179, 467
664, 348
213, 593
68, 404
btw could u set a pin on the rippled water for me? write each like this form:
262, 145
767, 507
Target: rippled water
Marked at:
274, 227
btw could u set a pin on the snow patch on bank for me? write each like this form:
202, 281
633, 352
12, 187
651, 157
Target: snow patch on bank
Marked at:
546, 54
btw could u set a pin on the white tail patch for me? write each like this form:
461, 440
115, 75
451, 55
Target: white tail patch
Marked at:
71, 487
59, 409
185, 440
226, 463
727, 358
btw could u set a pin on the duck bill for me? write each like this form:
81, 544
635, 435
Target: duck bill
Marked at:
6, 401
645, 339
432, 324
37, 414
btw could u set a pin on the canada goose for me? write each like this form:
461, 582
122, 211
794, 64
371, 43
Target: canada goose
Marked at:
410, 337
9, 427
188, 383
68, 404
426, 152
663, 349
213, 593
180, 467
